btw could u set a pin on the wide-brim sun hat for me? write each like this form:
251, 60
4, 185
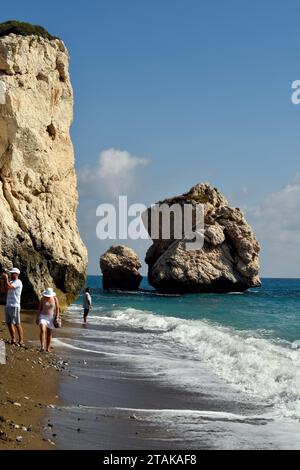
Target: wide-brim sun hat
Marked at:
14, 271
49, 292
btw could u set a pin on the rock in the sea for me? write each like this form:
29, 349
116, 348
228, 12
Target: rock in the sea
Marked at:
228, 261
120, 268
38, 196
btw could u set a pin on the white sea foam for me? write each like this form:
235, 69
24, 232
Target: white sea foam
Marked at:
64, 344
259, 368
208, 414
235, 293
218, 429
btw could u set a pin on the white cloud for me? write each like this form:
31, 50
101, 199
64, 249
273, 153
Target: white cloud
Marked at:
276, 222
115, 173
114, 162
112, 175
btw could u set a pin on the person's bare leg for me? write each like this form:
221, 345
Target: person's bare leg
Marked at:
43, 336
49, 338
12, 332
20, 333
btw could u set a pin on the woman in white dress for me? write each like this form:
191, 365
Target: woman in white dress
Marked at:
48, 314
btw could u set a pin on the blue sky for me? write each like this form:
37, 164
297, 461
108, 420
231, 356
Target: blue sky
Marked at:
202, 89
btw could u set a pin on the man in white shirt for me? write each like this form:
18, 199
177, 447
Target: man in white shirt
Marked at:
87, 303
13, 305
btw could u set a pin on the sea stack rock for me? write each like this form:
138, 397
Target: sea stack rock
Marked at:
38, 195
120, 268
228, 261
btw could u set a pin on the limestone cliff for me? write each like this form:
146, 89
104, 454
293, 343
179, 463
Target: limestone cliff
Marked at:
38, 196
228, 261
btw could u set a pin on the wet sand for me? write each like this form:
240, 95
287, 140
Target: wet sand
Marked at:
107, 405
56, 406
28, 386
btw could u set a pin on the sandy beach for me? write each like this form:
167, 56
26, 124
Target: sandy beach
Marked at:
28, 385
50, 410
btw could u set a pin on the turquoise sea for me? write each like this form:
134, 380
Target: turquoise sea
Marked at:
272, 310
238, 349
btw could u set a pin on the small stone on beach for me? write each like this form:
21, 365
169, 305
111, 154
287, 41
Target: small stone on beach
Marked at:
74, 376
133, 416
3, 436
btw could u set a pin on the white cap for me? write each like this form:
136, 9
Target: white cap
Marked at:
49, 292
14, 271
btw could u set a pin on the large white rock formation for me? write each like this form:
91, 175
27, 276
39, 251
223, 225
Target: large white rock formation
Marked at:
38, 196
228, 261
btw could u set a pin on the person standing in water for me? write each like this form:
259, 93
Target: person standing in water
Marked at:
48, 314
87, 304
13, 305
